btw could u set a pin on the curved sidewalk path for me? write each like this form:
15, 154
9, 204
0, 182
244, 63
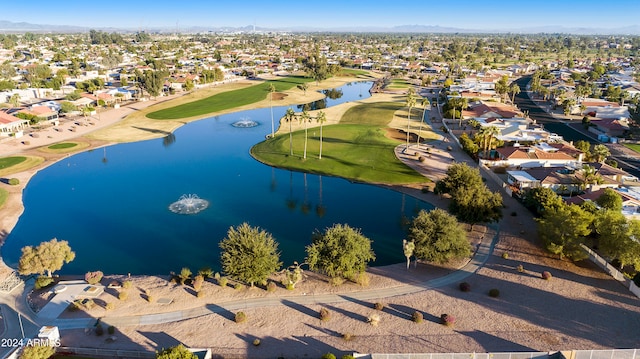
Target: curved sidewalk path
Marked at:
480, 257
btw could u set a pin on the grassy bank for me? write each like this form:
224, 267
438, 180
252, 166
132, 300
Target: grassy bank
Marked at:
9, 165
65, 147
3, 196
227, 100
356, 148
633, 146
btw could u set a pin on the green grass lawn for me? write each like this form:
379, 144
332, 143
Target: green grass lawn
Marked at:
353, 72
632, 146
7, 162
63, 145
356, 149
398, 84
3, 196
227, 100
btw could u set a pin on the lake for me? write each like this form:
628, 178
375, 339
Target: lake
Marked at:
112, 204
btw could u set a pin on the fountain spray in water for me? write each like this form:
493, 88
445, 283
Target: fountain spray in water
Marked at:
189, 204
245, 122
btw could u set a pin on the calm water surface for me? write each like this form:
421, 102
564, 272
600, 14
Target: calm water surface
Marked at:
112, 204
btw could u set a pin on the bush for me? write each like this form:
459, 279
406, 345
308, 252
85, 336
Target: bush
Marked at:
256, 342
223, 282
347, 356
520, 268
111, 330
328, 356
347, 337
494, 293
465, 287
216, 276
362, 279
89, 304
240, 317
127, 284
417, 317
546, 275
238, 286
271, 287
421, 159
197, 282
289, 286
505, 255
447, 320
99, 330
200, 294
206, 272
378, 306
43, 281
93, 277
325, 315
123, 295
374, 319
14, 181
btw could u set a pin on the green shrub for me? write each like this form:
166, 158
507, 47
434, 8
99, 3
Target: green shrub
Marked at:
240, 317
216, 276
127, 284
494, 293
185, 275
89, 303
200, 294
289, 286
43, 281
520, 268
378, 306
546, 275
328, 356
347, 356
14, 181
123, 295
109, 306
465, 287
505, 255
347, 337
238, 286
223, 282
271, 287
111, 330
417, 317
256, 342
197, 282
325, 315
206, 272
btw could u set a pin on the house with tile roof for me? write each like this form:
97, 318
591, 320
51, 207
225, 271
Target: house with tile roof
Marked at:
538, 155
11, 125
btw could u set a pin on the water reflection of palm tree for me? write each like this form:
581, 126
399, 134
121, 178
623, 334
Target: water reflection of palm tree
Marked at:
305, 206
291, 202
168, 140
273, 185
320, 209
104, 155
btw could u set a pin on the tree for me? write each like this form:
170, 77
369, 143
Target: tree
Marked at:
583, 146
316, 66
411, 101
610, 199
438, 237
600, 153
341, 252
502, 86
305, 118
514, 89
542, 199
616, 237
66, 107
475, 204
271, 90
487, 134
177, 352
46, 258
37, 352
459, 175
321, 118
249, 254
153, 82
289, 116
304, 87
563, 229
408, 248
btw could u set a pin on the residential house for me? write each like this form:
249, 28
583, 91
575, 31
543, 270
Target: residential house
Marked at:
11, 125
612, 127
630, 200
538, 155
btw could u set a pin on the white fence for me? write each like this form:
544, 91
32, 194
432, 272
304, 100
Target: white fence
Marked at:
613, 271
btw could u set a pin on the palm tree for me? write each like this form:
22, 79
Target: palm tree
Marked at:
321, 118
411, 101
289, 116
14, 100
488, 133
305, 118
600, 152
464, 102
425, 103
271, 90
514, 89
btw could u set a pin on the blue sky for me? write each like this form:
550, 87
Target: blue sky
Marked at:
467, 14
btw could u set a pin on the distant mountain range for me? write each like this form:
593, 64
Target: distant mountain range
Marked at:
8, 26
